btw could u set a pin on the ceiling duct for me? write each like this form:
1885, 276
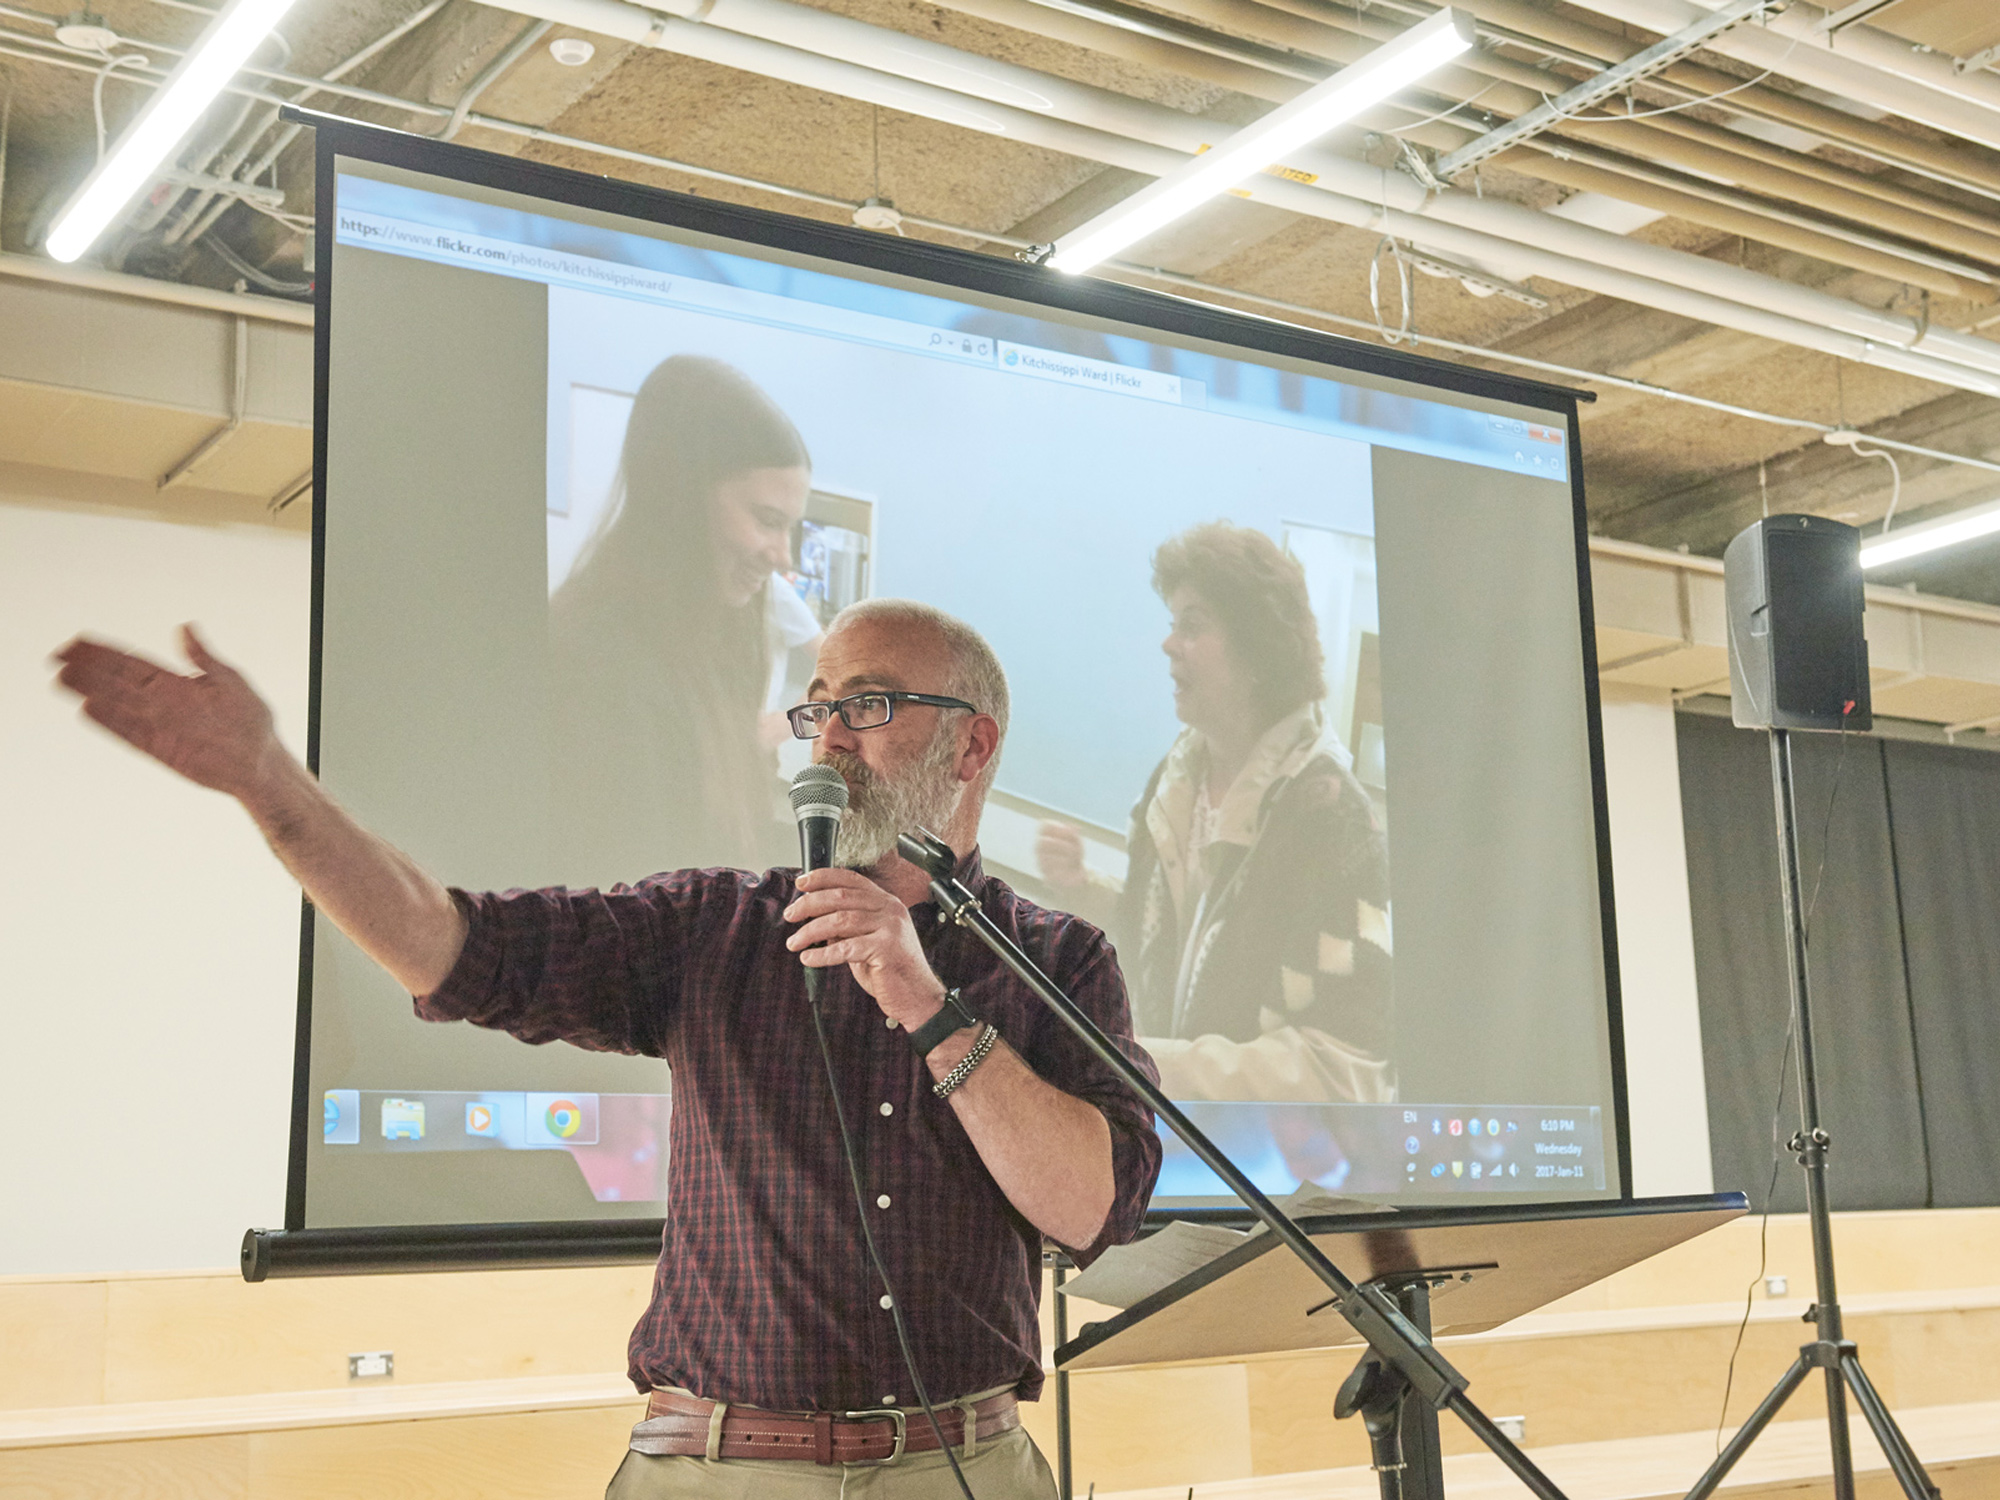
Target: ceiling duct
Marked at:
1859, 63
842, 56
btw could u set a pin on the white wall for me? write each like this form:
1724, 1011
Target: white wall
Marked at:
148, 941
1667, 1097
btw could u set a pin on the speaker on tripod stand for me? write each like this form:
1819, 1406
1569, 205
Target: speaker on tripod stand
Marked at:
1798, 660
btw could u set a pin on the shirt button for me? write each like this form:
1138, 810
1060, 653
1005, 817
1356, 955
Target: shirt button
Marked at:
890, 1399
883, 1201
888, 1108
892, 1022
887, 1301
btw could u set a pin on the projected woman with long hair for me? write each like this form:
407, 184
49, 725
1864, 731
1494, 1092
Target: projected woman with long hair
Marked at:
1253, 920
661, 634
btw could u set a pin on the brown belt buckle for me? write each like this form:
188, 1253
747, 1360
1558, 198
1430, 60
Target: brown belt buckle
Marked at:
894, 1414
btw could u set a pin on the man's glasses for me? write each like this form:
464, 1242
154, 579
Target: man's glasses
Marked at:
862, 711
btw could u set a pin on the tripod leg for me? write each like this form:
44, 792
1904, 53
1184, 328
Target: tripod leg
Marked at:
1836, 1427
1895, 1447
1747, 1434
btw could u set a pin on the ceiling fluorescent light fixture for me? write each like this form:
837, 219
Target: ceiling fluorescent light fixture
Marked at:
1929, 536
1393, 66
163, 124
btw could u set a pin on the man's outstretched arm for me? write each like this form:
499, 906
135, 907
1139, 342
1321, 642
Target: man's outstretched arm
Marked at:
214, 729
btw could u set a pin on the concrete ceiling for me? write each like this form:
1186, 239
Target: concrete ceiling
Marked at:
1658, 471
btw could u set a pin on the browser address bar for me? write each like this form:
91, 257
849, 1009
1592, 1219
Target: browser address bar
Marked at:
372, 231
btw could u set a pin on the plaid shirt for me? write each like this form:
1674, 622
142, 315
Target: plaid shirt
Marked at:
764, 1293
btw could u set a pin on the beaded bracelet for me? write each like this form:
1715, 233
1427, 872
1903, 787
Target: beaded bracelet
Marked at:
943, 1087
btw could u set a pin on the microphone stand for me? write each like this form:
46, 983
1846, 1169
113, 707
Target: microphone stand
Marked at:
1406, 1354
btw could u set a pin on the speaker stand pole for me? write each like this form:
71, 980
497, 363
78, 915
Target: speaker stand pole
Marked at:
1832, 1353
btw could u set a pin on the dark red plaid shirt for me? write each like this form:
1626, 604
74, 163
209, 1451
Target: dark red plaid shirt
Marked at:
764, 1293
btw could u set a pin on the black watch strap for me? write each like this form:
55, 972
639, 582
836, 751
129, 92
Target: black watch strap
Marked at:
954, 1017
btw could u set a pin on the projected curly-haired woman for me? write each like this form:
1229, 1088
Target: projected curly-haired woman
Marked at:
1253, 920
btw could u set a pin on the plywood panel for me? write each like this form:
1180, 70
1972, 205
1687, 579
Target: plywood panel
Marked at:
1928, 1359
545, 1456
217, 1335
1142, 1427
1958, 1444
1890, 1251
54, 1343
204, 1468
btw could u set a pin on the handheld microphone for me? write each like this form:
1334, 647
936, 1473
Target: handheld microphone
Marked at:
819, 801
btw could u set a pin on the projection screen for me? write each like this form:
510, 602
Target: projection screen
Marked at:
1377, 955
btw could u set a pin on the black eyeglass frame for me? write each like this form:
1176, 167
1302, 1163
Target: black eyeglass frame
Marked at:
890, 696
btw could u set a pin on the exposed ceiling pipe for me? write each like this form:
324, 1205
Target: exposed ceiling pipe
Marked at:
1869, 66
1699, 151
1589, 170
1941, 162
489, 75
842, 56
1895, 55
1522, 89
289, 133
1786, 177
1601, 85
1878, 185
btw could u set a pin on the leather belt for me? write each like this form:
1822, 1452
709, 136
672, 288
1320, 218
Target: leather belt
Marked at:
687, 1426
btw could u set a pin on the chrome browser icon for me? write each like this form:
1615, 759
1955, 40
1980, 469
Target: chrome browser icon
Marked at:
555, 1120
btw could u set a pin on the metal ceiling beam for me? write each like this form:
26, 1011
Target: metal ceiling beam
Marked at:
1977, 61
1611, 81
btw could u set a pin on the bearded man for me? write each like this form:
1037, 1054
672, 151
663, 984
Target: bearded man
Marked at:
771, 1348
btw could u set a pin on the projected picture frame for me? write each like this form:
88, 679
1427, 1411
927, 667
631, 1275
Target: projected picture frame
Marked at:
852, 538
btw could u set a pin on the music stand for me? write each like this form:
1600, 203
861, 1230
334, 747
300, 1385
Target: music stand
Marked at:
1452, 1270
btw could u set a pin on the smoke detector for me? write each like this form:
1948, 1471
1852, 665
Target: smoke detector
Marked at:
879, 213
86, 33
572, 51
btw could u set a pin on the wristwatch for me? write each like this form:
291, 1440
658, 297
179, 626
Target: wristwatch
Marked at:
954, 1017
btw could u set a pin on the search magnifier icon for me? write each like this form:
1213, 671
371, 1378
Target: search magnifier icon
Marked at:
936, 339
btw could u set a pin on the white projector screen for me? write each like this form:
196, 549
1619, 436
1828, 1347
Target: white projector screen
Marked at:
1391, 973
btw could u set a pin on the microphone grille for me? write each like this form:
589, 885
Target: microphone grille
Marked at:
818, 786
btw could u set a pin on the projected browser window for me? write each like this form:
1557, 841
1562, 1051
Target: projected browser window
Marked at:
1295, 660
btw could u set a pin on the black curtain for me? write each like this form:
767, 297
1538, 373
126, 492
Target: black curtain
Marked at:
1945, 813
1862, 1019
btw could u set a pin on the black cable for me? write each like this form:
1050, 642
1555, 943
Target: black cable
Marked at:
1778, 1105
1763, 1239
868, 1235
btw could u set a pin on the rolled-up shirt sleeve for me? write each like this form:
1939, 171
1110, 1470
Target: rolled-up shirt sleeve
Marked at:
598, 969
1064, 1060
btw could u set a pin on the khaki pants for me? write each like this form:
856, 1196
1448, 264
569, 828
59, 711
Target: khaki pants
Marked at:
1009, 1467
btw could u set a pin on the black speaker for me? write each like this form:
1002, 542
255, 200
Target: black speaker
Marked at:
1798, 658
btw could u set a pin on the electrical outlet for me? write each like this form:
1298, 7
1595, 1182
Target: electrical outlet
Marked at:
380, 1364
1776, 1286
1513, 1427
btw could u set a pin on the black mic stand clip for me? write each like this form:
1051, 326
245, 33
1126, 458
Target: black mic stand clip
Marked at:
1409, 1364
